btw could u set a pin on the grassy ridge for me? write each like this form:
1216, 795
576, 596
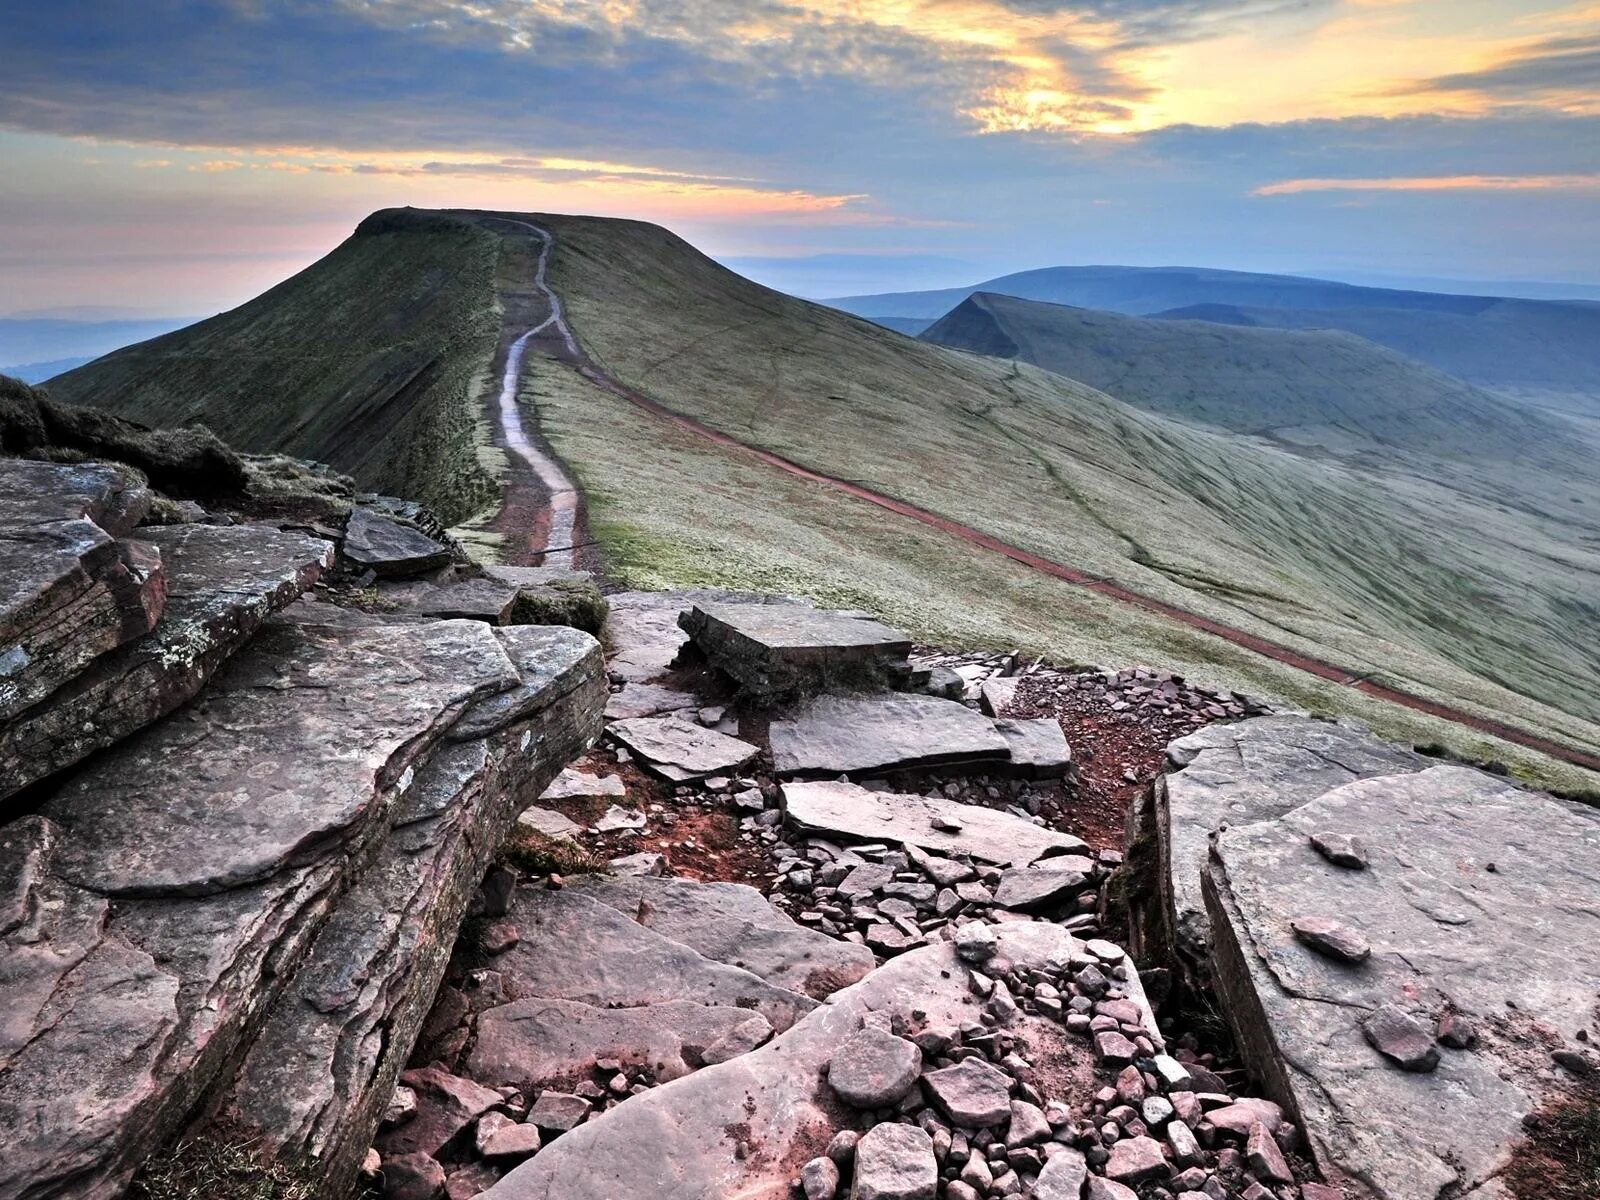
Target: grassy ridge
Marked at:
1401, 578
371, 359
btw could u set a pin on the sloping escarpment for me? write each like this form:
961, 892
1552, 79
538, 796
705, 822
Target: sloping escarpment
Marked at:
297, 819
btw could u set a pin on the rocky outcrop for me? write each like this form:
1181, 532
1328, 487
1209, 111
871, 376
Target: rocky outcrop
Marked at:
1231, 775
1476, 904
288, 852
221, 583
72, 585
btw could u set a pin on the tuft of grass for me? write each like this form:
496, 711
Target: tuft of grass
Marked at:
221, 1166
1561, 1158
532, 852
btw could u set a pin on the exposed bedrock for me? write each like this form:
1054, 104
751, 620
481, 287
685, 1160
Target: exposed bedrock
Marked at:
1230, 774
1411, 1068
280, 864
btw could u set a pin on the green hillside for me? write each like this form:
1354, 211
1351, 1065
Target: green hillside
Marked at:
370, 360
1545, 350
1488, 606
1319, 391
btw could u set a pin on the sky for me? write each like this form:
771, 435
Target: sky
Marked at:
178, 156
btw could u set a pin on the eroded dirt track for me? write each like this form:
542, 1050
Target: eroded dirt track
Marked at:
566, 348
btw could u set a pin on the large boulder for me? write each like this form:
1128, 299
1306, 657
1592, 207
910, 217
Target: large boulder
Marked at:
162, 904
872, 733
221, 583
1231, 774
1478, 901
747, 1127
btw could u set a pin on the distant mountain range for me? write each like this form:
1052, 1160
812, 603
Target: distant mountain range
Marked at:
1547, 351
34, 347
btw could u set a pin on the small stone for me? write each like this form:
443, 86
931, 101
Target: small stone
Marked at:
412, 1177
1136, 1159
1265, 1160
1332, 939
895, 1162
558, 1112
741, 1039
976, 942
1114, 1050
499, 937
819, 1179
842, 1147
1185, 1147
1456, 1032
1062, 1177
511, 1143
1028, 1125
1238, 1116
1107, 1189
1400, 1038
402, 1107
973, 1093
1341, 849
874, 1069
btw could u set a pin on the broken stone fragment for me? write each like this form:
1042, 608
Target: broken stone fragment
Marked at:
1048, 881
446, 1105
558, 1112
1135, 1160
681, 750
1265, 1160
819, 1179
975, 942
972, 1093
895, 1162
741, 1039
777, 650
390, 549
1341, 849
870, 734
874, 1069
1329, 937
1400, 1038
511, 1143
1063, 1176
1038, 748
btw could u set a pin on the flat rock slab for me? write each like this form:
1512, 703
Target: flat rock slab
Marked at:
533, 1044
467, 599
747, 1127
777, 649
296, 734
681, 750
1039, 748
735, 924
69, 589
647, 700
389, 548
221, 584
1478, 896
869, 734
927, 822
576, 948
1234, 774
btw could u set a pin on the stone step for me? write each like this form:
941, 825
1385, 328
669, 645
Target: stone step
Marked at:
72, 587
163, 899
1231, 775
869, 734
1477, 902
221, 583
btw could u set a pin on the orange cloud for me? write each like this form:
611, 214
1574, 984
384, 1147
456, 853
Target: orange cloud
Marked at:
1434, 183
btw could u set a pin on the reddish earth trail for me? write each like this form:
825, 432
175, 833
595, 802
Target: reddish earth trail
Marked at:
568, 350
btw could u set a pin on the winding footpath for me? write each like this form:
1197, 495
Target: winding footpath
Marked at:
551, 540
564, 503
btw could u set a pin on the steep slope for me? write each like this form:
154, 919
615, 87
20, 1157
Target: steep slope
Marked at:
1543, 349
1482, 605
369, 360
1316, 389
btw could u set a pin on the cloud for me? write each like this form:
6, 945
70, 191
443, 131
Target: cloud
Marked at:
1553, 67
1434, 183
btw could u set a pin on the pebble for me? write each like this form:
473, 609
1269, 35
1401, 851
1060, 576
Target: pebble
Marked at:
1400, 1038
1328, 937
